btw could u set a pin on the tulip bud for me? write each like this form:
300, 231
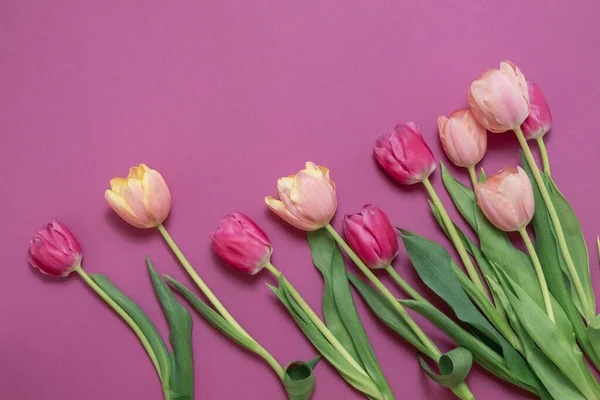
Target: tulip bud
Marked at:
404, 154
241, 243
539, 120
506, 199
142, 199
371, 236
54, 250
463, 138
499, 98
307, 199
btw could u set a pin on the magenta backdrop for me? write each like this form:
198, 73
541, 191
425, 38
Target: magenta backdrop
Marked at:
224, 97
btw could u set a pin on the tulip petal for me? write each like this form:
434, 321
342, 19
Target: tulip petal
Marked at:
156, 197
120, 206
278, 208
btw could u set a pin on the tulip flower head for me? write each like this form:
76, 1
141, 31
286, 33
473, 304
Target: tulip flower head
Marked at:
371, 236
404, 154
506, 199
54, 250
539, 120
307, 200
241, 243
463, 138
499, 98
142, 199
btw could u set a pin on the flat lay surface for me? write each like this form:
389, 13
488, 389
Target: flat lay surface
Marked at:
223, 98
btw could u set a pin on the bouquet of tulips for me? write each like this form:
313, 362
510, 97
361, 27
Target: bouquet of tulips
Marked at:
526, 317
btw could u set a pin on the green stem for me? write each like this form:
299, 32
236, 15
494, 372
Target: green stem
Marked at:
588, 310
434, 352
539, 271
405, 285
203, 287
544, 153
462, 252
316, 320
123, 314
473, 176
261, 351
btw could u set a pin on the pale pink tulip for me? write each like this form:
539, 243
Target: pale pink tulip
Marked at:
307, 200
54, 250
506, 199
404, 154
142, 199
371, 236
539, 120
463, 138
499, 98
241, 243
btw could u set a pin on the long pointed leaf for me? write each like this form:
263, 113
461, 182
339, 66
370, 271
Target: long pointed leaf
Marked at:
180, 336
141, 319
328, 259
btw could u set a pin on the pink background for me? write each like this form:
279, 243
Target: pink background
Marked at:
224, 97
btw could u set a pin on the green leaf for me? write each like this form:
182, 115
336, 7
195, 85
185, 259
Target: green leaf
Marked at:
454, 367
214, 318
354, 377
180, 336
328, 260
434, 265
142, 320
593, 334
482, 354
300, 380
559, 348
555, 271
462, 196
386, 313
472, 249
549, 242
556, 384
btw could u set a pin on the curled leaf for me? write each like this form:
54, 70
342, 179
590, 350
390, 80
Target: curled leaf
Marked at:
454, 367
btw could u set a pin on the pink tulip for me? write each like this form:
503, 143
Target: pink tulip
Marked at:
371, 236
307, 199
241, 243
404, 154
506, 199
539, 120
54, 250
142, 199
463, 138
499, 98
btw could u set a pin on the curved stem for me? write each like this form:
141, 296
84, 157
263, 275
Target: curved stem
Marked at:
434, 352
473, 176
539, 271
261, 351
123, 314
405, 285
462, 252
544, 153
316, 320
588, 310
199, 282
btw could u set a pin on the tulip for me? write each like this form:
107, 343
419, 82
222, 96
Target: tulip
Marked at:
499, 98
371, 236
307, 199
404, 154
506, 199
539, 120
463, 138
241, 243
142, 199
54, 250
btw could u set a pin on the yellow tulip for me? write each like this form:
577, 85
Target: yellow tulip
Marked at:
142, 199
